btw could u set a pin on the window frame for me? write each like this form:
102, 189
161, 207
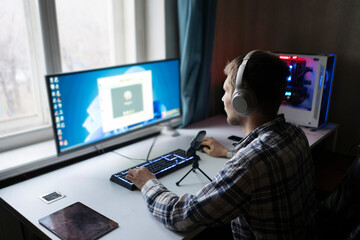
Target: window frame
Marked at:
45, 57
130, 39
38, 125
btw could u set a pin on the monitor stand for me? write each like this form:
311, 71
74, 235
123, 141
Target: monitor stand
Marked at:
169, 130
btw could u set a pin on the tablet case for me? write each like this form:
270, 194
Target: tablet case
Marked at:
78, 221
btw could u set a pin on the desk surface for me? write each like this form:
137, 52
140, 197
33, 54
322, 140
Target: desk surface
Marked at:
88, 182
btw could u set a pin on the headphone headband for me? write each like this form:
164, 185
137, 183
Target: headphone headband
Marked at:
240, 72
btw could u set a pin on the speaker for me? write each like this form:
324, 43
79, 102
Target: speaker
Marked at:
244, 99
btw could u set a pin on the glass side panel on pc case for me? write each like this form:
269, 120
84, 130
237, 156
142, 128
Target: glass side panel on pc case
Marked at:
91, 106
307, 97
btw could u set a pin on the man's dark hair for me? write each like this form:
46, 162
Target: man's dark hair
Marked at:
266, 75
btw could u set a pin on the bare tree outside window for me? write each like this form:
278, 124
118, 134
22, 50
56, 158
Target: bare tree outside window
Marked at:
16, 89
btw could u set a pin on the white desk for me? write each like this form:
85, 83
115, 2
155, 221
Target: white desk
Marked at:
88, 182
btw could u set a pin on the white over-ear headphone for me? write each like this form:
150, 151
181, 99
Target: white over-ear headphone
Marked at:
244, 99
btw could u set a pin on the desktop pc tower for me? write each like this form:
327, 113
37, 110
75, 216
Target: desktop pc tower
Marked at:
307, 97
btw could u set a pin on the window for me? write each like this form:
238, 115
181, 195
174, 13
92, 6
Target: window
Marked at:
17, 100
43, 37
31, 48
84, 33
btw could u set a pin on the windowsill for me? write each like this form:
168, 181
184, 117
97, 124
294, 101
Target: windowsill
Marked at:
36, 156
27, 137
33, 157
25, 159
43, 154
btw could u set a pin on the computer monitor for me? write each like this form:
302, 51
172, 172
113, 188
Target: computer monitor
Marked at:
115, 103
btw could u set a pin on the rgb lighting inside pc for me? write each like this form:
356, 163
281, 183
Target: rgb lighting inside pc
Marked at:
307, 96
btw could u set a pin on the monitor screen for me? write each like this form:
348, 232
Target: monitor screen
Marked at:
95, 105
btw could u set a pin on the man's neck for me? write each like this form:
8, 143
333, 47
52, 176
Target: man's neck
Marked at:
255, 120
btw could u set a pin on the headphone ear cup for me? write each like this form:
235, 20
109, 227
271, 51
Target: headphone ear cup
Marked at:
244, 101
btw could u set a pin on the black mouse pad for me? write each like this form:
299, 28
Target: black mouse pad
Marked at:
78, 221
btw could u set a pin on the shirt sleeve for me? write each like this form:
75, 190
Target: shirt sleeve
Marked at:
218, 202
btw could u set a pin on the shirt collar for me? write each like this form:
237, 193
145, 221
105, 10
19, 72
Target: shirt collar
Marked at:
279, 121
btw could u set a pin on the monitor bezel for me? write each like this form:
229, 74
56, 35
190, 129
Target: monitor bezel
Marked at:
112, 140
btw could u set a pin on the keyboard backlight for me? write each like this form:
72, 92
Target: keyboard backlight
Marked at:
121, 178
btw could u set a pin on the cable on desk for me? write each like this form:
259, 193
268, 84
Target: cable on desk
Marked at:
130, 158
141, 159
151, 147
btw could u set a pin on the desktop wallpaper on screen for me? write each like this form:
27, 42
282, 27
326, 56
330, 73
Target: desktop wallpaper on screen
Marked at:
94, 105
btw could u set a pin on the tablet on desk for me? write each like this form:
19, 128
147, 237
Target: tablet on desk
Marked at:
78, 221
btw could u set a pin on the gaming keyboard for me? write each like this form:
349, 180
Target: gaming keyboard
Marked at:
159, 166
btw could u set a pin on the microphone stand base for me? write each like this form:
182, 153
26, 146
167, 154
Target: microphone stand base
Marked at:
195, 165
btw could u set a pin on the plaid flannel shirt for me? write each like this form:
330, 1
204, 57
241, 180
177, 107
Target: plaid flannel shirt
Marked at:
266, 190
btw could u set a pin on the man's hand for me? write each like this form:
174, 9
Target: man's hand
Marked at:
214, 148
139, 176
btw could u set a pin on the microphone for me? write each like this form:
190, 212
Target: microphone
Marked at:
196, 143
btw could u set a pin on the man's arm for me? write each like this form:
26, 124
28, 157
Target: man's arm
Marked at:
156, 194
220, 201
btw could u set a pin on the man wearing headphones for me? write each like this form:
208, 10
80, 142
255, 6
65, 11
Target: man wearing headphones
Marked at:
266, 189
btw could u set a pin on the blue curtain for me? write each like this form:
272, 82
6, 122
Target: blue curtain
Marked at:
196, 33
